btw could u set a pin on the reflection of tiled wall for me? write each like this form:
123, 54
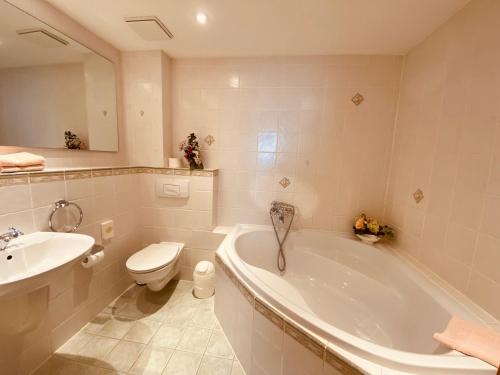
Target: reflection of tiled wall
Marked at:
447, 143
80, 294
291, 117
188, 220
29, 116
145, 93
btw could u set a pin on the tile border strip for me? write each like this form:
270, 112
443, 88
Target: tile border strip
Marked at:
11, 179
288, 327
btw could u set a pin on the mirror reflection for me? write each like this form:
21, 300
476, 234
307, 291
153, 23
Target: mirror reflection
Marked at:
54, 92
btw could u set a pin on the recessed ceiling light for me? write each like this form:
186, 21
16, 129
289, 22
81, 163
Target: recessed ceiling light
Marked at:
201, 18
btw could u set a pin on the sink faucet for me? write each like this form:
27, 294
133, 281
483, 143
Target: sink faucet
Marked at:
9, 236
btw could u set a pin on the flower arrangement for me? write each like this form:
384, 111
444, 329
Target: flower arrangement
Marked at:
191, 149
369, 230
72, 141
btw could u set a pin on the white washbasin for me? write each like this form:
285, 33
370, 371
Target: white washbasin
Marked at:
33, 260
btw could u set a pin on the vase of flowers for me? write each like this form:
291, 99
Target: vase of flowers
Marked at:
72, 141
191, 149
369, 231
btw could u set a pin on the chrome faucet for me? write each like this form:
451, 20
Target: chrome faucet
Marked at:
281, 210
9, 236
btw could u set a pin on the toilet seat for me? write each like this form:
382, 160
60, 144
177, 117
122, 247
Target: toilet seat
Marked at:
153, 257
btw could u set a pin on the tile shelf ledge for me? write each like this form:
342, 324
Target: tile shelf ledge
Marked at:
58, 174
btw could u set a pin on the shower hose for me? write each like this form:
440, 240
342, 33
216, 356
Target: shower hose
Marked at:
281, 261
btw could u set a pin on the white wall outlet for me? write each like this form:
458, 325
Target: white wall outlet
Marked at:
107, 230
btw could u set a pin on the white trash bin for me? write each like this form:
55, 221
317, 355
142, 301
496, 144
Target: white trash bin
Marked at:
204, 279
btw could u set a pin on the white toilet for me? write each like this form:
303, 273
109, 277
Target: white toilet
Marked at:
156, 264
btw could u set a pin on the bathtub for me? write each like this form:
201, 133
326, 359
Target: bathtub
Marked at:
363, 300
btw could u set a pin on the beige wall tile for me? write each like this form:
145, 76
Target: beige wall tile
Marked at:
446, 143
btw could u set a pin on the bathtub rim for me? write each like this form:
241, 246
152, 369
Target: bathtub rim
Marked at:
338, 340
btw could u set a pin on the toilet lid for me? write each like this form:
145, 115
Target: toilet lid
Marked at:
153, 257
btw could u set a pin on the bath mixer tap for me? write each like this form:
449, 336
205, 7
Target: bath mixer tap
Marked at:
281, 210
9, 236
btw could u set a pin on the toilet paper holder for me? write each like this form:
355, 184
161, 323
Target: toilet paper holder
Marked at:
95, 256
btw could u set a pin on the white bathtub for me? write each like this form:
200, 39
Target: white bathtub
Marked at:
363, 299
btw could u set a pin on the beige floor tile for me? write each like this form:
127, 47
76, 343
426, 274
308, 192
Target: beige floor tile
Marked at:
183, 363
116, 328
237, 369
207, 303
133, 291
75, 344
218, 346
215, 366
130, 309
104, 371
204, 318
142, 331
152, 361
60, 366
96, 324
179, 315
194, 339
123, 355
167, 336
96, 349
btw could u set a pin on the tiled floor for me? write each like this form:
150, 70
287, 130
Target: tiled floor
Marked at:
141, 332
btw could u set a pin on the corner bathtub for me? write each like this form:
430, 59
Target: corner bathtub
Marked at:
363, 299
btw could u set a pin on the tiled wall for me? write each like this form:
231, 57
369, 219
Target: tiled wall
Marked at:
125, 195
188, 220
80, 294
447, 143
273, 118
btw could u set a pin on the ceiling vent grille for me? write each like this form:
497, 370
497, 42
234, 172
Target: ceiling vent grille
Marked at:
149, 28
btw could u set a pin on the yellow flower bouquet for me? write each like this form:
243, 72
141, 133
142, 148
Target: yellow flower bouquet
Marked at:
369, 230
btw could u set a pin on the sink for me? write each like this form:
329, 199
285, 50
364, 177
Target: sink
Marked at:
33, 260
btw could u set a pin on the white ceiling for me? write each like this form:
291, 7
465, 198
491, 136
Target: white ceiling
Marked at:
268, 27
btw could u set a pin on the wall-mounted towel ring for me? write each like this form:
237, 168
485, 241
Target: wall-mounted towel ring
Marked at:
63, 204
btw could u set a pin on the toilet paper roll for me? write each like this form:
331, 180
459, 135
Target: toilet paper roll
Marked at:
174, 162
93, 259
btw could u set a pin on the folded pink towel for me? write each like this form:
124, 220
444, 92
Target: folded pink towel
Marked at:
31, 168
21, 159
471, 339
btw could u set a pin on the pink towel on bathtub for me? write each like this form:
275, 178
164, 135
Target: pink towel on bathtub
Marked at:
471, 339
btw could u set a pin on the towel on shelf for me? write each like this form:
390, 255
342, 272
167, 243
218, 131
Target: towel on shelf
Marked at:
471, 339
21, 159
31, 168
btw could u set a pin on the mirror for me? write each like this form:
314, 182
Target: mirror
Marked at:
54, 92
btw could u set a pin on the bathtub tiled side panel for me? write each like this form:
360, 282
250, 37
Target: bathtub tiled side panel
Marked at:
232, 311
265, 341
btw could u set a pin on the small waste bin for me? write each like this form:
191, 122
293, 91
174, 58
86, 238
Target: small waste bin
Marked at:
204, 279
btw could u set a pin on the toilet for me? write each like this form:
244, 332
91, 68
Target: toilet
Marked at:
155, 265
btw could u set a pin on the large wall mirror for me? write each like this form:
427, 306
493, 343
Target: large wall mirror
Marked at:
54, 92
